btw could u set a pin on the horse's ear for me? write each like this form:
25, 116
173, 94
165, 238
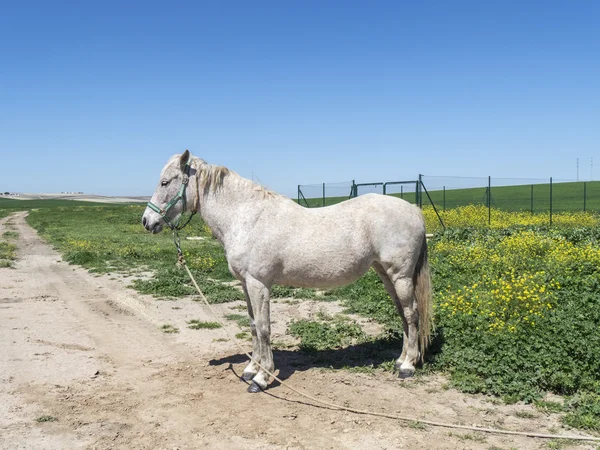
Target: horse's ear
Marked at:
183, 160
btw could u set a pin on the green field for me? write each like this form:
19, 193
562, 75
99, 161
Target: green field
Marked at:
517, 309
533, 198
9, 205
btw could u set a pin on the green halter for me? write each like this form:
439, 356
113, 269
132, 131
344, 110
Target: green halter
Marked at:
180, 196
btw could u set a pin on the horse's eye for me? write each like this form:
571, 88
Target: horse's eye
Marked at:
164, 182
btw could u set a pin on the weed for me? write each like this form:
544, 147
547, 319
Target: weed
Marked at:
317, 336
46, 418
583, 411
10, 234
196, 324
280, 345
525, 415
468, 437
168, 328
7, 251
241, 319
416, 425
243, 335
549, 406
557, 444
388, 366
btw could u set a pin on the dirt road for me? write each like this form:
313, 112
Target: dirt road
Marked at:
84, 364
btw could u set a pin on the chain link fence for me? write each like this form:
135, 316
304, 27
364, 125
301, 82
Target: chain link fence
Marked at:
444, 193
325, 194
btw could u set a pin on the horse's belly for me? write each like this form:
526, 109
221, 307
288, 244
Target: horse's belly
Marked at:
322, 275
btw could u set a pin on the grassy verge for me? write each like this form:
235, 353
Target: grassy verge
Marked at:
107, 239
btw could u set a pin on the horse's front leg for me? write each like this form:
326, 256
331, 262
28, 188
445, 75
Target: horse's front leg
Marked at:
259, 300
252, 368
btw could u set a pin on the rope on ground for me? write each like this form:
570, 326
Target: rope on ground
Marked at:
374, 413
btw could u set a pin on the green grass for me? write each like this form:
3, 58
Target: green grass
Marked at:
196, 324
583, 411
241, 319
7, 254
243, 335
46, 418
327, 335
168, 328
26, 205
10, 235
549, 407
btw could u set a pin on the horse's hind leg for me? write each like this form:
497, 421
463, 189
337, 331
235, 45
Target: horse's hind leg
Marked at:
391, 290
405, 292
252, 368
258, 294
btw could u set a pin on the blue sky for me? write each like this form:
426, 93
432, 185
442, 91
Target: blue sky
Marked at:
95, 96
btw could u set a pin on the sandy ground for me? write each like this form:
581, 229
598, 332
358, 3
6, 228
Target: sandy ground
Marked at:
88, 352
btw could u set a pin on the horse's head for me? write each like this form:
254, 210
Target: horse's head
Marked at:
170, 200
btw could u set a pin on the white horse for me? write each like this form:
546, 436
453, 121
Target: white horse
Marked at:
270, 239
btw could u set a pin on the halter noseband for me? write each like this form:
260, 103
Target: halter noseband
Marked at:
180, 196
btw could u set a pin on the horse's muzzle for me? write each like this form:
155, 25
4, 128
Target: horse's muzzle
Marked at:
153, 228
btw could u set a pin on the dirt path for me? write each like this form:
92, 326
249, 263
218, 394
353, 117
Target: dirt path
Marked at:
88, 354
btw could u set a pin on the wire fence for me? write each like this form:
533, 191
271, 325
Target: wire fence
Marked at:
443, 193
515, 194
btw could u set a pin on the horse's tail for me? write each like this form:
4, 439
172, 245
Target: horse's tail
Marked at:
423, 293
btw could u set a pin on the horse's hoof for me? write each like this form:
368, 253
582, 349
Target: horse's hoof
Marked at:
403, 374
254, 388
247, 376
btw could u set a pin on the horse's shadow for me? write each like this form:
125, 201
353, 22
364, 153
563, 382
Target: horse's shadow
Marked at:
365, 355
372, 353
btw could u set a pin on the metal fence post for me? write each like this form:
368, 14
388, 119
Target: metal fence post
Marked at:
298, 194
550, 200
419, 195
532, 199
444, 200
489, 200
401, 191
323, 194
584, 196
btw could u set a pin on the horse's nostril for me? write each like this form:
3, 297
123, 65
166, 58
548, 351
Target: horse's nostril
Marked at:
144, 221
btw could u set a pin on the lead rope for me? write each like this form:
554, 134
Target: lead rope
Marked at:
181, 262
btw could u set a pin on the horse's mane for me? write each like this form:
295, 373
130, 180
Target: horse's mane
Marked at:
210, 178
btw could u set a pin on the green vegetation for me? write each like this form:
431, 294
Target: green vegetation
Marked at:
168, 328
7, 254
196, 324
46, 418
241, 319
327, 334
